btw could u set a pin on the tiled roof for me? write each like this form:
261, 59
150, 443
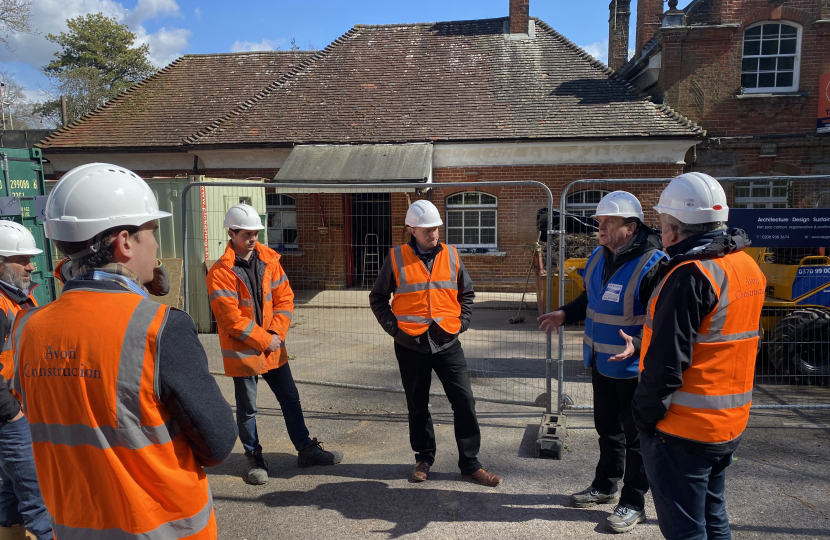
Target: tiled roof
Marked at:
453, 81
179, 100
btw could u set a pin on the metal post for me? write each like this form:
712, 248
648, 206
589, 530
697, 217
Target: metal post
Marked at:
6, 181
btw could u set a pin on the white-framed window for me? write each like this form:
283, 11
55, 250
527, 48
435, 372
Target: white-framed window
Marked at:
584, 203
771, 57
472, 220
761, 194
282, 222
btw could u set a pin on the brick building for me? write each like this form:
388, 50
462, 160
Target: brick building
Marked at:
499, 99
747, 71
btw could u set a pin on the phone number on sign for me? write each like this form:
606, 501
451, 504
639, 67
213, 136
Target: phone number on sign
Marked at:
774, 237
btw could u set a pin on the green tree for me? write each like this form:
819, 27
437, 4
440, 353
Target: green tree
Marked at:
97, 61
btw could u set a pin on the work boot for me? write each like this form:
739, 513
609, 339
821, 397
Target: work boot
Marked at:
485, 478
591, 497
257, 468
421, 471
313, 454
624, 518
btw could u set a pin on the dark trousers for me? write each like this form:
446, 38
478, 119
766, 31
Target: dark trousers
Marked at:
282, 384
416, 376
687, 486
619, 442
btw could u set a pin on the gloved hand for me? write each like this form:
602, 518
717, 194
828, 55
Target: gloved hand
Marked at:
160, 285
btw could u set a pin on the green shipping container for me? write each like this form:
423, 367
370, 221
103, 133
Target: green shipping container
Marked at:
25, 180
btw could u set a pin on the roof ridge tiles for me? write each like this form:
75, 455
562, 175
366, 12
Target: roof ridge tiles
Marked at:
403, 25
244, 53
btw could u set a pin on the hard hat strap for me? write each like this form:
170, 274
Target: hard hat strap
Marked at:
93, 247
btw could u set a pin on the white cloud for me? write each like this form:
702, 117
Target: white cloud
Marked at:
151, 9
598, 50
198, 13
264, 45
165, 45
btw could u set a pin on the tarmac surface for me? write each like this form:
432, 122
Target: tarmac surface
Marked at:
778, 485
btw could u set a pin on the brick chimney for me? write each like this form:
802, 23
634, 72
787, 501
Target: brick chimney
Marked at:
519, 16
620, 14
649, 19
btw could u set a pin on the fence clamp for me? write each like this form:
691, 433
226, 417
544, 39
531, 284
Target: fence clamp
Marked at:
552, 231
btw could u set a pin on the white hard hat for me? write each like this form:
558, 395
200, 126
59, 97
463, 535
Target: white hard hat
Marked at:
93, 198
423, 214
243, 216
694, 198
15, 239
619, 203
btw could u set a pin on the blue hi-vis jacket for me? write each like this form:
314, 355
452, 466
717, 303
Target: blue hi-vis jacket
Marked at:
612, 307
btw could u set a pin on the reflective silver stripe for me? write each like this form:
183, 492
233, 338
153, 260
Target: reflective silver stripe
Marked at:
633, 286
615, 320
240, 355
280, 281
247, 332
413, 319
7, 345
398, 254
18, 331
156, 386
285, 312
220, 293
245, 302
452, 255
603, 347
697, 401
722, 281
415, 287
586, 276
172, 530
103, 437
443, 285
268, 297
718, 338
131, 365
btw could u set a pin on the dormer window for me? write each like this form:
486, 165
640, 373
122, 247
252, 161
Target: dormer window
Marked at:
772, 52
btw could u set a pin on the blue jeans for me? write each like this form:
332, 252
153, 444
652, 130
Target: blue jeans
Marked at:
20, 498
282, 384
687, 487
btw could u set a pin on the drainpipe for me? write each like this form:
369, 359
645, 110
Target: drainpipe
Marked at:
6, 182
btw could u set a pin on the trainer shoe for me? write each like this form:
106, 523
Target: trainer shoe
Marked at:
257, 468
313, 454
624, 518
421, 471
591, 497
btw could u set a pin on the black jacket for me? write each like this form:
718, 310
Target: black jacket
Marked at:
686, 298
644, 240
9, 407
435, 339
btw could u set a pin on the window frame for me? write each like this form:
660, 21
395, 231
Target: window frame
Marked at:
763, 202
796, 63
583, 206
448, 207
273, 208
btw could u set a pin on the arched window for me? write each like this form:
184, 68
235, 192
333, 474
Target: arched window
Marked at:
771, 57
282, 222
471, 220
584, 203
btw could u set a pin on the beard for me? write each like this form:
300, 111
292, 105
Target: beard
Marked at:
10, 276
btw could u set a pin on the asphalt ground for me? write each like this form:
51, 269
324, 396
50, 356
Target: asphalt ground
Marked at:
777, 487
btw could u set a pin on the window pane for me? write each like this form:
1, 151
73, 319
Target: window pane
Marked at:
767, 64
272, 199
784, 79
289, 220
290, 236
787, 46
471, 219
739, 205
760, 191
786, 63
771, 30
749, 64
779, 192
766, 80
576, 198
488, 236
454, 236
787, 30
742, 191
487, 199
275, 219
753, 32
488, 218
455, 199
454, 218
752, 48
471, 236
274, 236
471, 198
749, 80
779, 205
593, 196
769, 47
288, 201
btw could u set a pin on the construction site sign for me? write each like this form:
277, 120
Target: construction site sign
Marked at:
791, 227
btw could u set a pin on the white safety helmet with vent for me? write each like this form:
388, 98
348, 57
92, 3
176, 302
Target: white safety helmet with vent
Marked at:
93, 198
15, 239
694, 198
243, 216
423, 214
621, 204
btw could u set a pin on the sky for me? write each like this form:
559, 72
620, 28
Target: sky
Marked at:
176, 27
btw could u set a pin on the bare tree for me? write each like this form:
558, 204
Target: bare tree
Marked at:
15, 17
18, 111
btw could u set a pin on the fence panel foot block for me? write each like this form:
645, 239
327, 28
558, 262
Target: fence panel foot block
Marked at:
551, 439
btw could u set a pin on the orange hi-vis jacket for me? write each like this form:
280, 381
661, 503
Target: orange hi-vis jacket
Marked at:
244, 343
11, 309
112, 461
713, 404
422, 297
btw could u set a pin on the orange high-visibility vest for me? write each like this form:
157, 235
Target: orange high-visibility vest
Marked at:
244, 343
713, 404
113, 462
11, 309
422, 297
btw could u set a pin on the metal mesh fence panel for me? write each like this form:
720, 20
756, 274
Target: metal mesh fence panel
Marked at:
793, 364
333, 241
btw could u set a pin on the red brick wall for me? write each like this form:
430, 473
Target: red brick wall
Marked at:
649, 20
618, 33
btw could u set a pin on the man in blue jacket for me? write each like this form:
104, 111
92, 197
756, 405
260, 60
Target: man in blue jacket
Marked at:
619, 277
